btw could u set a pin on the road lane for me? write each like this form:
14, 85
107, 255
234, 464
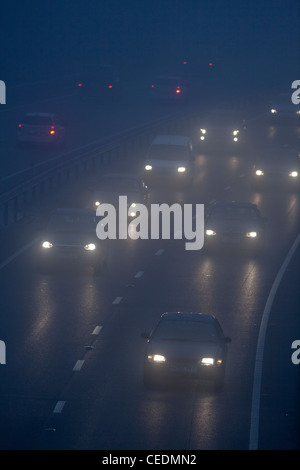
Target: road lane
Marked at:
104, 404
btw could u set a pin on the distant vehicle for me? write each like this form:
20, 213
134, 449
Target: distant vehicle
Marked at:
222, 128
168, 89
40, 128
283, 108
70, 238
234, 224
185, 345
277, 167
99, 82
170, 158
113, 185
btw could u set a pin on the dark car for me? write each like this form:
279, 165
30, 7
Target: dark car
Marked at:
185, 345
113, 185
99, 82
276, 168
234, 225
170, 89
70, 237
223, 128
40, 128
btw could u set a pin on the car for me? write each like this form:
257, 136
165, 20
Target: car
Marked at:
276, 168
186, 345
222, 128
170, 89
99, 82
169, 158
70, 238
112, 185
40, 128
232, 224
282, 108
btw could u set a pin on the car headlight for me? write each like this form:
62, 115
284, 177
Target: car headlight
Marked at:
259, 173
273, 111
90, 247
202, 137
293, 174
207, 361
181, 169
235, 132
235, 139
97, 203
298, 112
210, 232
156, 358
47, 244
203, 131
148, 167
251, 234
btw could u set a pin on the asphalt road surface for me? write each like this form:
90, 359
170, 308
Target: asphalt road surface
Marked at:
73, 372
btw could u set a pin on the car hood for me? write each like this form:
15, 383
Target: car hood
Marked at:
184, 349
70, 238
167, 163
233, 225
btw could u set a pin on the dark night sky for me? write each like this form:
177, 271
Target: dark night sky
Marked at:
255, 41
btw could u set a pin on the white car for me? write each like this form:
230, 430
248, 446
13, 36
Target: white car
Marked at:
40, 128
170, 158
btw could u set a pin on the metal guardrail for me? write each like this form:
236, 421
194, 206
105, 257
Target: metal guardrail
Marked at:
13, 203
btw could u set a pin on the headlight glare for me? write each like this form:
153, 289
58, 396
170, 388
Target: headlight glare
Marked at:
210, 232
259, 173
293, 174
181, 169
148, 167
251, 234
47, 244
207, 361
90, 247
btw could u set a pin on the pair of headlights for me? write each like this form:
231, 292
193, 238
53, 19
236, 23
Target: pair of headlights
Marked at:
292, 174
180, 169
88, 247
207, 361
212, 233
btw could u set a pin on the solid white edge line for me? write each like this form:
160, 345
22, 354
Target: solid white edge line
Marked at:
17, 253
256, 390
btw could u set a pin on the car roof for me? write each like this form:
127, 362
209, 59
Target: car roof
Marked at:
171, 140
188, 316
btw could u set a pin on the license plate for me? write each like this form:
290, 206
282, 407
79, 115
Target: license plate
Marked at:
187, 368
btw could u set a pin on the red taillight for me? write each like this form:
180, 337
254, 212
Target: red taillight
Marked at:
52, 131
178, 89
210, 64
152, 86
110, 86
79, 84
20, 125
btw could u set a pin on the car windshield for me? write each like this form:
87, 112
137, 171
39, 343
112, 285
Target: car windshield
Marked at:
37, 120
181, 330
167, 152
120, 184
233, 213
72, 223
